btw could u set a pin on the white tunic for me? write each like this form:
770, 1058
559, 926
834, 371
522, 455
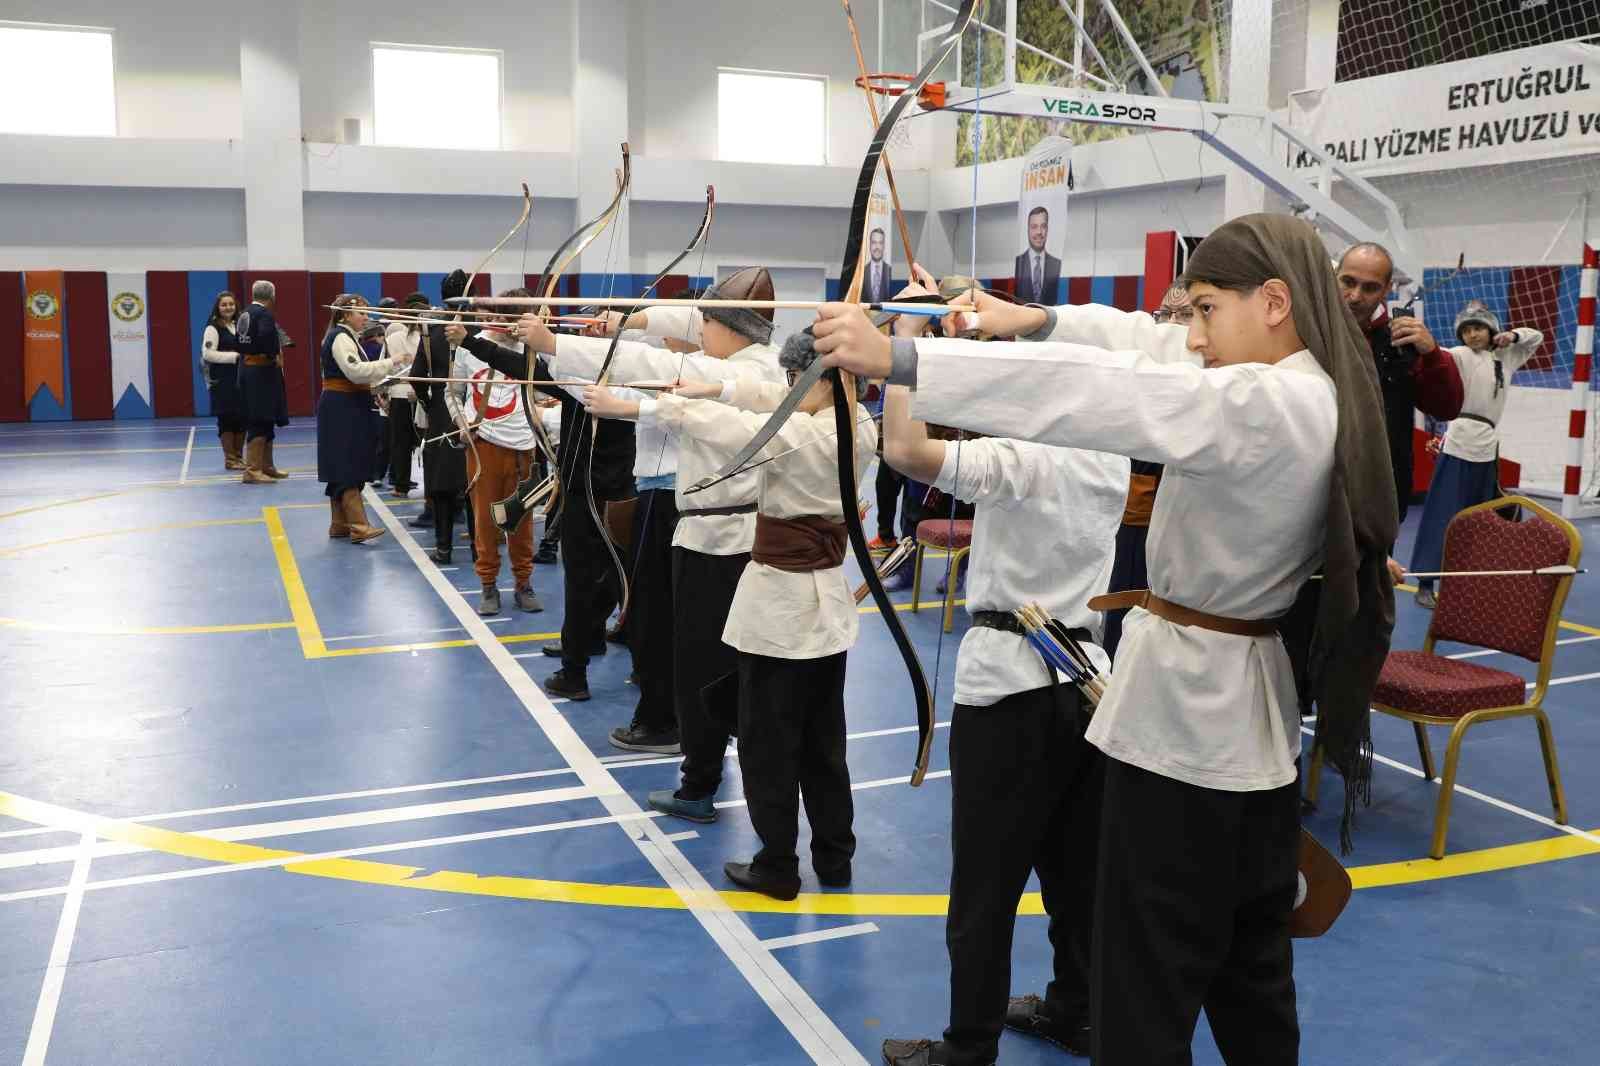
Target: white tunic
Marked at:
1237, 526
401, 339
499, 405
353, 362
1044, 531
775, 612
1467, 438
580, 357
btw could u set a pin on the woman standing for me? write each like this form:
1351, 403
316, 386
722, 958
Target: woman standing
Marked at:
444, 458
347, 424
1468, 471
219, 364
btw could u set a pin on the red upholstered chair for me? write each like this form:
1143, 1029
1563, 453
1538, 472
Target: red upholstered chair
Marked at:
954, 537
1518, 615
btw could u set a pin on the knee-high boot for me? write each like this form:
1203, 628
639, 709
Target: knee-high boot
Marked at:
254, 454
231, 442
269, 469
355, 515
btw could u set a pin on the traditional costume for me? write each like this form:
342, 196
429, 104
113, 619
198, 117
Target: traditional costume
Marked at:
261, 391
219, 366
347, 430
1272, 471
715, 530
1025, 784
1468, 470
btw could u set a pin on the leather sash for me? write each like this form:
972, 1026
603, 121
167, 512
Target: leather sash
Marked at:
799, 545
342, 385
714, 512
1141, 499
1184, 616
260, 360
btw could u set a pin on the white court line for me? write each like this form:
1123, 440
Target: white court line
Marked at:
1554, 681
342, 853
1475, 794
855, 786
688, 834
188, 453
733, 752
810, 1026
530, 655
1492, 651
44, 1014
817, 936
296, 826
392, 633
329, 797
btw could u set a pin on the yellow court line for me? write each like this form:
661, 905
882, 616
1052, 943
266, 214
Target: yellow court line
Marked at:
207, 849
163, 527
141, 631
305, 619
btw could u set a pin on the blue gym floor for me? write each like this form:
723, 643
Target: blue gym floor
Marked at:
269, 798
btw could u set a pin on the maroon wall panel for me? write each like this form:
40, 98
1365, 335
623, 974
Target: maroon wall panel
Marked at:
1125, 292
171, 378
1080, 290
89, 344
12, 406
293, 313
398, 286
325, 285
1533, 301
239, 287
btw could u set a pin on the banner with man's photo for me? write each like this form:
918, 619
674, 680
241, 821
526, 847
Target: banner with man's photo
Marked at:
1042, 221
878, 283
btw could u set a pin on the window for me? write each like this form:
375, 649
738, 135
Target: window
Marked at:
56, 79
435, 97
772, 118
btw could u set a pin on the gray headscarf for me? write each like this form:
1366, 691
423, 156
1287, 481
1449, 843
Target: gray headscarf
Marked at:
1342, 629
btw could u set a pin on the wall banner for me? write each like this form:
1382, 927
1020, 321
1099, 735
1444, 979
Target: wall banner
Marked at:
130, 345
1042, 221
44, 361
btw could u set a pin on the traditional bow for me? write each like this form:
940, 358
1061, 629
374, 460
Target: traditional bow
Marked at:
509, 512
604, 375
850, 280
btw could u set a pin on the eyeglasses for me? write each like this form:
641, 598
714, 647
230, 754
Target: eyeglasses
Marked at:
1182, 317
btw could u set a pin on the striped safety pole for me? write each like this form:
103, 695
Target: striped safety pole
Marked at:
1582, 363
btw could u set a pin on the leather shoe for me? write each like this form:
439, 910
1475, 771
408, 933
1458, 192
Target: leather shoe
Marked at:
634, 737
700, 810
1026, 1014
440, 555
546, 555
745, 875
553, 649
422, 521
915, 1053
566, 683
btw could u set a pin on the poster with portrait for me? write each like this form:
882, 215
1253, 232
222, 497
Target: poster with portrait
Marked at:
878, 284
1042, 221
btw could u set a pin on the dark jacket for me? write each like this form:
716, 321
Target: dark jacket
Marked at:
444, 462
1427, 383
1024, 280
613, 446
261, 388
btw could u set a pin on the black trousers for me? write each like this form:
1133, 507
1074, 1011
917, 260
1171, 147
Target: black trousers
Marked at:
650, 608
705, 670
791, 748
590, 589
444, 507
1025, 797
402, 440
888, 487
1192, 911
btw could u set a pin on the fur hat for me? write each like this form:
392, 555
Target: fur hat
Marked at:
1476, 312
798, 353
454, 284
751, 283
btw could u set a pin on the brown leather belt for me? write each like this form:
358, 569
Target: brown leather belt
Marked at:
260, 360
342, 385
1184, 616
1141, 499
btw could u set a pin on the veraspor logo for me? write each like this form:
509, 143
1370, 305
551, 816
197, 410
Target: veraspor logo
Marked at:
128, 306
42, 305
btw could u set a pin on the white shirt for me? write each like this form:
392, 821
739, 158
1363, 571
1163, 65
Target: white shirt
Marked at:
1237, 527
1044, 531
209, 353
655, 449
353, 362
581, 357
401, 339
778, 613
1467, 438
500, 405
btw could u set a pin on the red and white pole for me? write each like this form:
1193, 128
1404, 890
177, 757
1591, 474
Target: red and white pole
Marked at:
1582, 364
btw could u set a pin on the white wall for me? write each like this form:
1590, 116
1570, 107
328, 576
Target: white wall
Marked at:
118, 230
177, 61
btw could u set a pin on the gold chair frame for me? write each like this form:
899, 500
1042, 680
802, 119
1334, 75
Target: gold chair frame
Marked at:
957, 556
1531, 708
